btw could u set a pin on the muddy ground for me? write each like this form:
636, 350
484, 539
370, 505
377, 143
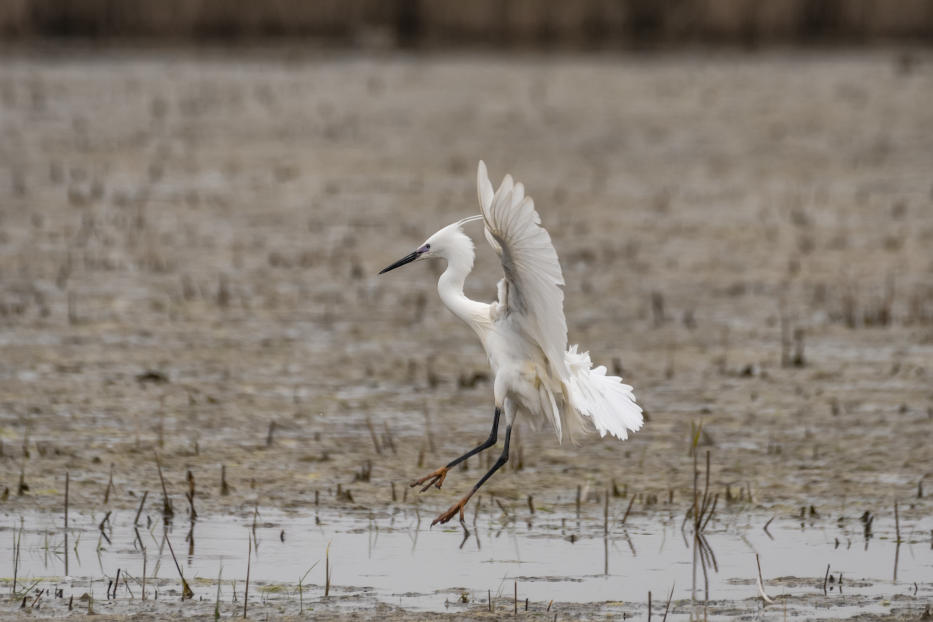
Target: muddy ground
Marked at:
189, 243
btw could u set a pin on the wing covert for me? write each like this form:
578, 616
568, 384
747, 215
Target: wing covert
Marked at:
532, 271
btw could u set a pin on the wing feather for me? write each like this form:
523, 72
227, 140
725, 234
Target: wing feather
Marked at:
532, 271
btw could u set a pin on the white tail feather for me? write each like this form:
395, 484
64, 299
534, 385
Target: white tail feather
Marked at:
605, 400
549, 407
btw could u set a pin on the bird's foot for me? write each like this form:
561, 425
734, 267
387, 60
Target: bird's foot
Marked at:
451, 512
436, 479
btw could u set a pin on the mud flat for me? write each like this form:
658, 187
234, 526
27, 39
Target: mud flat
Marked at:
189, 242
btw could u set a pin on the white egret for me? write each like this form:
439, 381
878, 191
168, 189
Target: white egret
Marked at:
524, 333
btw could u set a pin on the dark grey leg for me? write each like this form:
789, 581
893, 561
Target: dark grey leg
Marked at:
436, 478
459, 505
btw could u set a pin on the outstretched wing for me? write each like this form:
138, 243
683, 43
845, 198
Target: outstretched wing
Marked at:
532, 293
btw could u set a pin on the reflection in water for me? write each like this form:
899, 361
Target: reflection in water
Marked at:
704, 551
190, 540
897, 554
406, 564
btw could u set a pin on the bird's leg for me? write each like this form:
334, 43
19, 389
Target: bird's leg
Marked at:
437, 477
459, 505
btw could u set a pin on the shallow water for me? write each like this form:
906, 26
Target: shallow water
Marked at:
397, 559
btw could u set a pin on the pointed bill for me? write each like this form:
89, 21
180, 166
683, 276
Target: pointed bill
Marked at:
401, 262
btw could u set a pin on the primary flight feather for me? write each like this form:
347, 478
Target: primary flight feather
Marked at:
524, 333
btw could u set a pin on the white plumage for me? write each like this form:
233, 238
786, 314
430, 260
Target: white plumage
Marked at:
524, 332
534, 301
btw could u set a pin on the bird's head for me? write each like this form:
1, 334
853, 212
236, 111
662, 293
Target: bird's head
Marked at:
449, 243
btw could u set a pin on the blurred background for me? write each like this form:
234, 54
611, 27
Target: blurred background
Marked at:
196, 197
587, 24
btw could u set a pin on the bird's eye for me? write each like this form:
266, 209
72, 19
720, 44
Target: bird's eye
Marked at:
424, 248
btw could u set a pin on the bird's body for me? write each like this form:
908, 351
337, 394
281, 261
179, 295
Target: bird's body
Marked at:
524, 333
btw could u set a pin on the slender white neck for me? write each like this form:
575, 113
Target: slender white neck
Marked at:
450, 288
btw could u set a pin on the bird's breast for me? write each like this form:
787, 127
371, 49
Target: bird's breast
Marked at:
507, 350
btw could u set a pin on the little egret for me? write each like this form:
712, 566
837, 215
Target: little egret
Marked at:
524, 333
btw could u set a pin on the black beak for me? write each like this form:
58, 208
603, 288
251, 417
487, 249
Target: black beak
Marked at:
401, 262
